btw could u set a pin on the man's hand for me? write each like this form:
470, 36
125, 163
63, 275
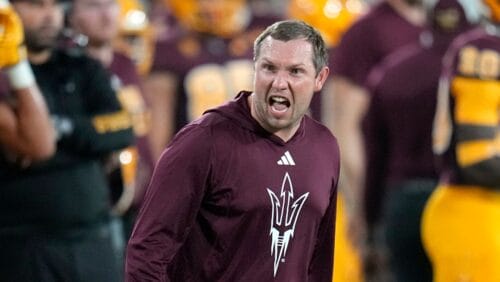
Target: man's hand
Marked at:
12, 50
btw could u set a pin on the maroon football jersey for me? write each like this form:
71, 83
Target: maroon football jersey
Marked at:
398, 125
470, 82
231, 202
370, 39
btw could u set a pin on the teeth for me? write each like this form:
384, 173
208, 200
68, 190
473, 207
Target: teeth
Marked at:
279, 99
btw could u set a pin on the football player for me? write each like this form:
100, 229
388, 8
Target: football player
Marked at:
461, 220
104, 23
387, 26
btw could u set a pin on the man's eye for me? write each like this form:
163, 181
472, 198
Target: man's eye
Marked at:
269, 67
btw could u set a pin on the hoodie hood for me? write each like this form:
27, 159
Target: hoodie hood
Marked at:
239, 111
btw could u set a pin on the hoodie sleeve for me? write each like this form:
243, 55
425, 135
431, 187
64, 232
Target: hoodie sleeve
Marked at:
170, 205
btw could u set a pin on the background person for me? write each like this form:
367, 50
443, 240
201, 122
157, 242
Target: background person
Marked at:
128, 170
387, 26
460, 221
54, 214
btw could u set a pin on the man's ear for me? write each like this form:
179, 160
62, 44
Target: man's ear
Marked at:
321, 78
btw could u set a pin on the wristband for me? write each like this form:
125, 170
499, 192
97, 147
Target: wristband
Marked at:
20, 75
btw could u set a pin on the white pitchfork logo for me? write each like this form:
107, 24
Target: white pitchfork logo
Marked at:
284, 217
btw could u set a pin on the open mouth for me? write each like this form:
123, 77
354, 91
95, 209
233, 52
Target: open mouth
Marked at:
279, 104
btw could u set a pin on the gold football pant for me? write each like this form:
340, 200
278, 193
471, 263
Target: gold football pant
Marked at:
461, 234
347, 262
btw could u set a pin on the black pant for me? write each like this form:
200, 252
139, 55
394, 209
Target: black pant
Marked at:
402, 218
82, 256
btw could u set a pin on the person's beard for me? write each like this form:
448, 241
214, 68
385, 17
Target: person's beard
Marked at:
42, 39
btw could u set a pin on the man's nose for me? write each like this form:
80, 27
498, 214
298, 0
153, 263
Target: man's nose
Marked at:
280, 81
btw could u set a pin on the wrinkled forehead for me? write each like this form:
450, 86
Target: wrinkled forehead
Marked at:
292, 51
295, 48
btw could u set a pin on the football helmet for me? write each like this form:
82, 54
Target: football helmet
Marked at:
452, 16
135, 36
330, 17
218, 17
493, 7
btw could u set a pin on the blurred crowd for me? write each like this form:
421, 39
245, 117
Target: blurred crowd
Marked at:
92, 92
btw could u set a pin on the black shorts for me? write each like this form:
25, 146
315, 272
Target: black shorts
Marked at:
85, 255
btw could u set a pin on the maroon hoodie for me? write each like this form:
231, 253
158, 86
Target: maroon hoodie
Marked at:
229, 201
